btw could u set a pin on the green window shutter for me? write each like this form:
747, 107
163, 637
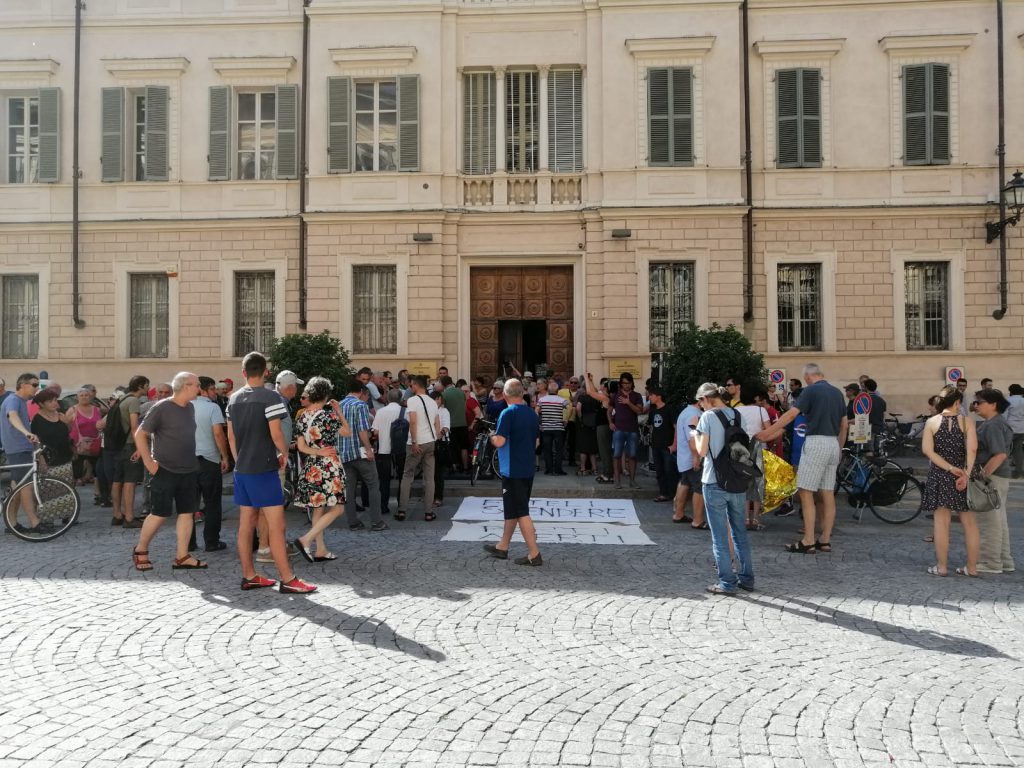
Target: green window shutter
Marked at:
682, 116
658, 146
810, 114
939, 91
157, 97
49, 135
787, 102
339, 124
220, 133
409, 123
112, 145
565, 121
287, 98
479, 132
915, 115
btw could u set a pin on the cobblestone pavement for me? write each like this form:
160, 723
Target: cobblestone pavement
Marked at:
421, 653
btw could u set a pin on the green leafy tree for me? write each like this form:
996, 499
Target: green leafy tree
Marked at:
710, 354
308, 355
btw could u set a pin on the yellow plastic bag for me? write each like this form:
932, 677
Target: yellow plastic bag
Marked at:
779, 481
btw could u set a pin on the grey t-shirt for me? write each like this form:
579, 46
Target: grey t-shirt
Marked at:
250, 411
711, 425
173, 431
995, 436
824, 406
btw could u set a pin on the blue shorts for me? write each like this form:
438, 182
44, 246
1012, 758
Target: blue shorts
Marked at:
261, 490
625, 442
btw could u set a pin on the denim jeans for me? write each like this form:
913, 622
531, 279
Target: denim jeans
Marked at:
726, 513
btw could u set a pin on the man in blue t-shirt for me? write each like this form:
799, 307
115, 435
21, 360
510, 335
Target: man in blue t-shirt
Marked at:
516, 440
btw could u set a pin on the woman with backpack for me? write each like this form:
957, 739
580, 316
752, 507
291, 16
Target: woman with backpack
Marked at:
725, 479
322, 480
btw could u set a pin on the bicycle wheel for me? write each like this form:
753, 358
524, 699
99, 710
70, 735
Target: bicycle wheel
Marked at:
495, 465
55, 506
896, 497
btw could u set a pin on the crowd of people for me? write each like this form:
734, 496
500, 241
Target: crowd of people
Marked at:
352, 454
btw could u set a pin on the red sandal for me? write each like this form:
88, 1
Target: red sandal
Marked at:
141, 560
181, 564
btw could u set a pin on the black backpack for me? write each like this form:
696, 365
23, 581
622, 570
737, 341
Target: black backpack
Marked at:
399, 434
734, 464
114, 434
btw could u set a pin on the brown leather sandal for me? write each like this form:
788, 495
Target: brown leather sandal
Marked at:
182, 564
141, 560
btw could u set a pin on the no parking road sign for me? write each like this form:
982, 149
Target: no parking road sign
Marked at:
777, 376
862, 404
954, 374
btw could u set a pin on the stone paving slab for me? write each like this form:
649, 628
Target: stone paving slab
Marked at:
418, 652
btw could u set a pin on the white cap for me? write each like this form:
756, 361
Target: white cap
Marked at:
287, 378
528, 374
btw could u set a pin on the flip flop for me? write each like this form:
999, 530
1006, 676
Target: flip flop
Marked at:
701, 527
302, 550
934, 571
965, 572
325, 558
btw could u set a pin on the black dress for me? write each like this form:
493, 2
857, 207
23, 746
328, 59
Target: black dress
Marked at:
586, 432
55, 437
940, 487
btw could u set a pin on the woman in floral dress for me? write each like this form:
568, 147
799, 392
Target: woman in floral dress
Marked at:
322, 477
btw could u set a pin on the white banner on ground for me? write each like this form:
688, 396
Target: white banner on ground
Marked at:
558, 521
553, 533
545, 510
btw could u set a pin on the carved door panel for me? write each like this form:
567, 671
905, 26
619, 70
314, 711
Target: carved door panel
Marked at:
558, 312
483, 321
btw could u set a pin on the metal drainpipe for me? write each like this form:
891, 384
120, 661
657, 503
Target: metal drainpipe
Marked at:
748, 218
1000, 313
302, 167
76, 296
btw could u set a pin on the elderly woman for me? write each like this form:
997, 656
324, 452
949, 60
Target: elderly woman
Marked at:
49, 426
995, 442
83, 418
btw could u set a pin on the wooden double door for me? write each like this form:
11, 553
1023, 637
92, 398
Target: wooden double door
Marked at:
522, 315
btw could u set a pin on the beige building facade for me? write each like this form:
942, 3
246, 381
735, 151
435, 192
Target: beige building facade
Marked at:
556, 182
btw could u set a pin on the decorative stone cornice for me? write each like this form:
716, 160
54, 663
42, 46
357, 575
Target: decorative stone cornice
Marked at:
130, 69
809, 46
27, 72
268, 69
374, 56
662, 46
953, 42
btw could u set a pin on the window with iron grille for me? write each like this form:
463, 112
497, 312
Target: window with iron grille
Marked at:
148, 313
926, 286
521, 116
672, 294
375, 310
254, 312
799, 307
20, 316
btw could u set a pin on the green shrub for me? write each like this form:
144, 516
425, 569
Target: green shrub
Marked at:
308, 355
710, 354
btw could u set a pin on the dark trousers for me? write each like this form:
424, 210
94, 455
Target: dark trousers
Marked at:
211, 486
570, 442
388, 466
667, 471
552, 443
443, 451
105, 473
365, 470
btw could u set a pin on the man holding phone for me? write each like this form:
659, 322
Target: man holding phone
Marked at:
627, 406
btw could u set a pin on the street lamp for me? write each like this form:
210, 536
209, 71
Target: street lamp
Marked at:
1012, 202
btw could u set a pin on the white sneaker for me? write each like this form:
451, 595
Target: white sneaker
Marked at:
264, 556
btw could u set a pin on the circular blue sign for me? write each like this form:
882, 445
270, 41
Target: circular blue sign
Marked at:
955, 374
778, 376
862, 404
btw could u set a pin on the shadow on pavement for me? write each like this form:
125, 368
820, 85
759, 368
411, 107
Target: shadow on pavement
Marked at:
917, 638
358, 629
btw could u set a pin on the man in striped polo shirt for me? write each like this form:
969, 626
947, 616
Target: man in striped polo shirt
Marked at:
554, 413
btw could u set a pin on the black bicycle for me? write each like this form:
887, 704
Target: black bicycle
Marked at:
485, 456
888, 490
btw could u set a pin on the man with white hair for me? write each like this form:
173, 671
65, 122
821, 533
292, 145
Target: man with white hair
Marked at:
166, 442
825, 409
516, 440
